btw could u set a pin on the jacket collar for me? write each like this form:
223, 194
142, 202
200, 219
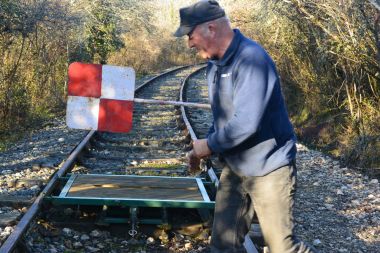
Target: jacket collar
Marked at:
231, 50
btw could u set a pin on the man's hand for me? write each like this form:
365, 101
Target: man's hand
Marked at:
201, 149
194, 162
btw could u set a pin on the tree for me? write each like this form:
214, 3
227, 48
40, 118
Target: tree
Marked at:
103, 37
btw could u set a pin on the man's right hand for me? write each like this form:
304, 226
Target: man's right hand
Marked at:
194, 162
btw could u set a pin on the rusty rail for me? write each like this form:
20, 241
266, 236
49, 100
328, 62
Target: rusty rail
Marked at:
12, 240
23, 224
248, 244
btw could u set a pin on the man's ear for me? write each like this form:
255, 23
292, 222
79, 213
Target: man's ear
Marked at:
212, 29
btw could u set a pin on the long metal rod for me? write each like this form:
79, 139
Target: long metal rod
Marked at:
12, 240
165, 102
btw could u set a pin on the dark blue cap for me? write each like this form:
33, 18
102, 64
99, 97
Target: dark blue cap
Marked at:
198, 13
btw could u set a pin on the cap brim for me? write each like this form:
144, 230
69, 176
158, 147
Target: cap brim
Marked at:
183, 30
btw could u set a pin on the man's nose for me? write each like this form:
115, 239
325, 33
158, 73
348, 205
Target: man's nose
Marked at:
190, 44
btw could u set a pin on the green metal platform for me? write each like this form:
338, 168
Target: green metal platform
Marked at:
134, 191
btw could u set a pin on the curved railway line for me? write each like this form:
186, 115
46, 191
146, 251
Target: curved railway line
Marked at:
337, 207
155, 148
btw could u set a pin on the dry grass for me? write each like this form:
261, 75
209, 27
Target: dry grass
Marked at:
327, 53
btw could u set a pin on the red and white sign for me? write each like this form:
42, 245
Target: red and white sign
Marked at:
100, 97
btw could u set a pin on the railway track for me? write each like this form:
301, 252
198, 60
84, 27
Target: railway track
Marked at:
156, 146
161, 136
27, 168
157, 142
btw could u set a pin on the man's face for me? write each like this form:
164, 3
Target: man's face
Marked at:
201, 41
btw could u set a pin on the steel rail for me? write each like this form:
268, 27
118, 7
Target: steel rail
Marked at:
20, 228
159, 76
23, 224
193, 136
183, 110
248, 244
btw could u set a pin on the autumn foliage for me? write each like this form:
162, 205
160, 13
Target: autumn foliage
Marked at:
327, 53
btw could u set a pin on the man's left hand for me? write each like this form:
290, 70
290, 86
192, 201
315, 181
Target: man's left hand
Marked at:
201, 149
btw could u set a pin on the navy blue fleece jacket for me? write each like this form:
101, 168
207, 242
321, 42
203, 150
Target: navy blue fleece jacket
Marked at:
251, 128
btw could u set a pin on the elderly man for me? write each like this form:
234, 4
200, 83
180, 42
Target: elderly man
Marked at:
251, 133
